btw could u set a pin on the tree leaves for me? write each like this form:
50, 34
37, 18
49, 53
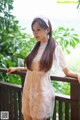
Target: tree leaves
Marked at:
66, 37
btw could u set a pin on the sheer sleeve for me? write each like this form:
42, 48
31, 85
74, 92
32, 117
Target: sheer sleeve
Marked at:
59, 57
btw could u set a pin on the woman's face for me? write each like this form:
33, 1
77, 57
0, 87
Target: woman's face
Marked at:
39, 33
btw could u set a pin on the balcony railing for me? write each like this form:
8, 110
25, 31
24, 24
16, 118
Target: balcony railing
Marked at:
66, 107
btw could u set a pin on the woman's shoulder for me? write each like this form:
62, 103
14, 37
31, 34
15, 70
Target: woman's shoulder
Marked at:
58, 48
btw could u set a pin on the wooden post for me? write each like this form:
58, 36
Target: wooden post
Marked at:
75, 101
23, 79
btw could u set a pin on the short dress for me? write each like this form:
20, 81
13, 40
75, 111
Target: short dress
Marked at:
38, 98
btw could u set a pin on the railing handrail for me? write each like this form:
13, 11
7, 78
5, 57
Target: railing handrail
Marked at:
57, 78
11, 85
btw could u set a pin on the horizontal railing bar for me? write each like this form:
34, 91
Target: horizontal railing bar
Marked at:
62, 96
56, 78
17, 72
64, 79
10, 85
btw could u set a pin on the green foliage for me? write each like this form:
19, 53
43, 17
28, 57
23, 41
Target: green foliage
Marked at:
66, 37
14, 42
61, 87
12, 38
78, 6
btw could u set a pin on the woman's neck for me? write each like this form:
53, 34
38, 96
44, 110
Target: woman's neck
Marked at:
44, 41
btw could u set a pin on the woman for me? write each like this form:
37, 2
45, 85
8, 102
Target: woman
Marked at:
38, 95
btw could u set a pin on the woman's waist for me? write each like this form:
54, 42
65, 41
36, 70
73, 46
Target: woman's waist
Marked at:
38, 72
38, 75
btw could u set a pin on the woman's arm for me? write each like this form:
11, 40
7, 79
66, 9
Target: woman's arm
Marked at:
21, 68
61, 60
70, 73
13, 69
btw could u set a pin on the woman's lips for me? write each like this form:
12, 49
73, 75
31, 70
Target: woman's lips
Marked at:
37, 37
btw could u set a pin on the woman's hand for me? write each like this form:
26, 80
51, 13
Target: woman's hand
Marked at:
79, 78
11, 69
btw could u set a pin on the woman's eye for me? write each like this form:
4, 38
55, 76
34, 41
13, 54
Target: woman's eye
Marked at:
38, 29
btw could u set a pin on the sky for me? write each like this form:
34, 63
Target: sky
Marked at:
59, 15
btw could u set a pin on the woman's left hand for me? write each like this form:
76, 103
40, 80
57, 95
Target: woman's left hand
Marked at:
79, 78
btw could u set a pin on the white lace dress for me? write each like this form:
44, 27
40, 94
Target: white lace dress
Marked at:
38, 97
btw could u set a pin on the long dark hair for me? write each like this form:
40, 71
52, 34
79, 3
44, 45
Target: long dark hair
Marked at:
47, 56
